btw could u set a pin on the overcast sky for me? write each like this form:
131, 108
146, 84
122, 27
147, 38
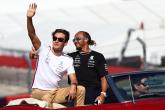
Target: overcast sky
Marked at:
108, 22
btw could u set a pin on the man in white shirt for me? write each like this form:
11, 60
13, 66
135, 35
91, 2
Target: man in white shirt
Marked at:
52, 65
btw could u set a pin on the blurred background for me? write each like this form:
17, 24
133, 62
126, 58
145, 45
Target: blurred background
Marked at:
130, 34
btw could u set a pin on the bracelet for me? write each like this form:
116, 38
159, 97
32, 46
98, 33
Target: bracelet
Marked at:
104, 93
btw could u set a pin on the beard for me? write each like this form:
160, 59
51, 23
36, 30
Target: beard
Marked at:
78, 48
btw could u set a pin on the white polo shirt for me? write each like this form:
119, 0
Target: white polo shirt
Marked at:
51, 69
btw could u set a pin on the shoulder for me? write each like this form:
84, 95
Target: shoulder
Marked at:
66, 55
99, 56
97, 53
44, 47
73, 53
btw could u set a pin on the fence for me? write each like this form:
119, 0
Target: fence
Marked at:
15, 72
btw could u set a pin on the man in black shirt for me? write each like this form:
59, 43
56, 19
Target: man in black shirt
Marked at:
90, 67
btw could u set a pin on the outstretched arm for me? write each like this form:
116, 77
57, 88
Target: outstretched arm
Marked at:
31, 30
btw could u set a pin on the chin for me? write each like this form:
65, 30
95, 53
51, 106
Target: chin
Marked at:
78, 48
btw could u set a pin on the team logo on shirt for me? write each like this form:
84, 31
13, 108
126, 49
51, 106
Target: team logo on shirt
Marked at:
106, 67
60, 67
77, 61
91, 61
91, 57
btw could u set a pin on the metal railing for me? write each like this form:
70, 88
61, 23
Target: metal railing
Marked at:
15, 80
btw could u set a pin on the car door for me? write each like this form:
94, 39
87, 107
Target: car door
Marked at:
114, 106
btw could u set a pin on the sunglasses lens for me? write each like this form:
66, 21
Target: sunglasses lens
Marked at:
76, 39
59, 39
54, 38
144, 84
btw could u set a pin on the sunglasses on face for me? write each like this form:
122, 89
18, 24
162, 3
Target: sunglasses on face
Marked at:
59, 39
144, 83
76, 39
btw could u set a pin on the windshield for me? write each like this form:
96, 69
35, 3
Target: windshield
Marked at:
141, 86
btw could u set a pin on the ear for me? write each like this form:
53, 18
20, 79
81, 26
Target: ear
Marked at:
135, 86
86, 40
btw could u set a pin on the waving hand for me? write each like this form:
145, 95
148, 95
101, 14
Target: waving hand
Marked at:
32, 10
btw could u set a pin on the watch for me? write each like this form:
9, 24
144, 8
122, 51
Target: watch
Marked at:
104, 93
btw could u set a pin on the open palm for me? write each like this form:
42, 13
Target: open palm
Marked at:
32, 9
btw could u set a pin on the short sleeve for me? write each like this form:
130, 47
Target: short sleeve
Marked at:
102, 66
42, 48
70, 69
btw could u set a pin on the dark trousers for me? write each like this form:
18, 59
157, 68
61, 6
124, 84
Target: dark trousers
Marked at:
91, 94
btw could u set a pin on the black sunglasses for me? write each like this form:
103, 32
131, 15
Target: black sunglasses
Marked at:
144, 83
76, 39
59, 39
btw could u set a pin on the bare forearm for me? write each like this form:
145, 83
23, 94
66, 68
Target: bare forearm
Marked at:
73, 87
73, 79
30, 27
104, 87
104, 84
31, 32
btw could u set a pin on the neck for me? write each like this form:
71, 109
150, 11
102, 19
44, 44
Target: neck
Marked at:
85, 50
57, 52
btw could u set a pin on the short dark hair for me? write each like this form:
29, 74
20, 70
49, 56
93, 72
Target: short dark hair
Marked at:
135, 81
65, 32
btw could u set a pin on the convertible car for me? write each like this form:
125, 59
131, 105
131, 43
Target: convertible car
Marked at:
121, 94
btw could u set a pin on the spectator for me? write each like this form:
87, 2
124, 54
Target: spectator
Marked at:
140, 86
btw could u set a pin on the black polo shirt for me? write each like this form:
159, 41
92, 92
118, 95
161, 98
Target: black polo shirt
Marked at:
89, 68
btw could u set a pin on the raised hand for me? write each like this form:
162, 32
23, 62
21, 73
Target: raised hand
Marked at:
32, 10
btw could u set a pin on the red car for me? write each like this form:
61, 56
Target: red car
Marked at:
122, 93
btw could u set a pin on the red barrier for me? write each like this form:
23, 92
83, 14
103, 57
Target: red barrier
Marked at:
20, 62
17, 62
118, 69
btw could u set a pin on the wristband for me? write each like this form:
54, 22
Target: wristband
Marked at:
104, 93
